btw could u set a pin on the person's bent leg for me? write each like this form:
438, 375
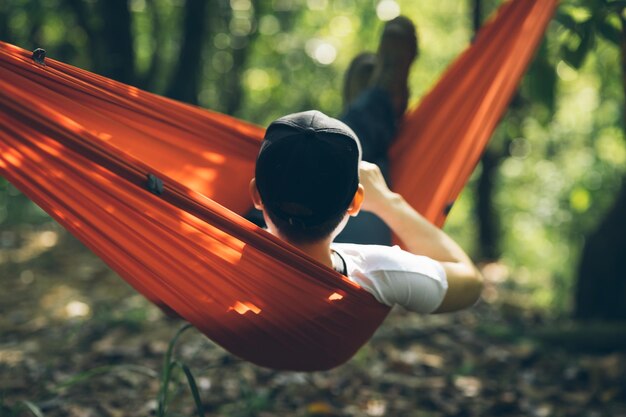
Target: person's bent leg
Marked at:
375, 114
372, 118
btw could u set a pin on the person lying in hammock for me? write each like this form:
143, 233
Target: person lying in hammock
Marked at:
310, 179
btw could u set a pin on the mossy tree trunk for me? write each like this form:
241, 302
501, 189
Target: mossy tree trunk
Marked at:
601, 285
486, 214
117, 38
186, 81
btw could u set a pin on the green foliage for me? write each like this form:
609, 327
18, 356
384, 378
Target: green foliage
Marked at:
584, 22
169, 366
32, 408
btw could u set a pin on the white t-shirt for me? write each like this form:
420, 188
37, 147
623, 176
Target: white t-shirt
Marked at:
394, 276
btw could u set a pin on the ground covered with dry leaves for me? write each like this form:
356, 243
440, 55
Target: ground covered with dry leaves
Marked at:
76, 341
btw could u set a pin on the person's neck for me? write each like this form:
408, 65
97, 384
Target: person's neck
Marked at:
320, 251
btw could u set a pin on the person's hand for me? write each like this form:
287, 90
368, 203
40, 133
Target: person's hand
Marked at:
377, 194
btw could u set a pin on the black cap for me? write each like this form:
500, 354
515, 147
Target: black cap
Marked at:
307, 170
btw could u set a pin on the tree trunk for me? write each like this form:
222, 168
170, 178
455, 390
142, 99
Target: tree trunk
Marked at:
488, 224
5, 35
477, 16
36, 18
148, 79
486, 215
185, 83
118, 40
232, 92
601, 284
84, 18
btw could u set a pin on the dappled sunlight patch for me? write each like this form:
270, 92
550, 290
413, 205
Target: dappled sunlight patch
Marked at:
317, 5
67, 123
243, 307
77, 309
494, 274
376, 407
48, 148
48, 238
203, 175
133, 91
58, 214
323, 52
257, 79
34, 244
580, 199
468, 385
26, 152
63, 302
214, 240
387, 10
11, 357
102, 136
269, 25
565, 72
13, 158
610, 147
12, 49
216, 158
341, 26
335, 297
199, 179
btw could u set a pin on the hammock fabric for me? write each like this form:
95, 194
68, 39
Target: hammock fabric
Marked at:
82, 146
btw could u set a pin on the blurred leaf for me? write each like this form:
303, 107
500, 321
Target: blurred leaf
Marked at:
193, 387
36, 411
580, 199
566, 20
609, 31
576, 57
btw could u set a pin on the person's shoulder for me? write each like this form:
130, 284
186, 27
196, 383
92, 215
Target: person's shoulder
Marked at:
369, 251
395, 276
389, 258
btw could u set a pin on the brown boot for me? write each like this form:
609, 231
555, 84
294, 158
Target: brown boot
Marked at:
396, 52
358, 77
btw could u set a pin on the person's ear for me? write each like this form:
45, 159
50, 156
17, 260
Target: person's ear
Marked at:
357, 201
254, 194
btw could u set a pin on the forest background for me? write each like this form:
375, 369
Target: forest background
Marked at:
544, 213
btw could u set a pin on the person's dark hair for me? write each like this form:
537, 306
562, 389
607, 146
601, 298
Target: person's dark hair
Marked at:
300, 233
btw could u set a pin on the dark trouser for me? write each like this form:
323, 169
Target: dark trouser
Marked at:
372, 118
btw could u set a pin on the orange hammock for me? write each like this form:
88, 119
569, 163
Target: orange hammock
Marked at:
81, 146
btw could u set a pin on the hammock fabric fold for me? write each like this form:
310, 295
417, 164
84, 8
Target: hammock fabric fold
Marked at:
82, 146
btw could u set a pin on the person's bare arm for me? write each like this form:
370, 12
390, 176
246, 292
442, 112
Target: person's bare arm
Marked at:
420, 237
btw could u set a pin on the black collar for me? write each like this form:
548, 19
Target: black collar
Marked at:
339, 264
